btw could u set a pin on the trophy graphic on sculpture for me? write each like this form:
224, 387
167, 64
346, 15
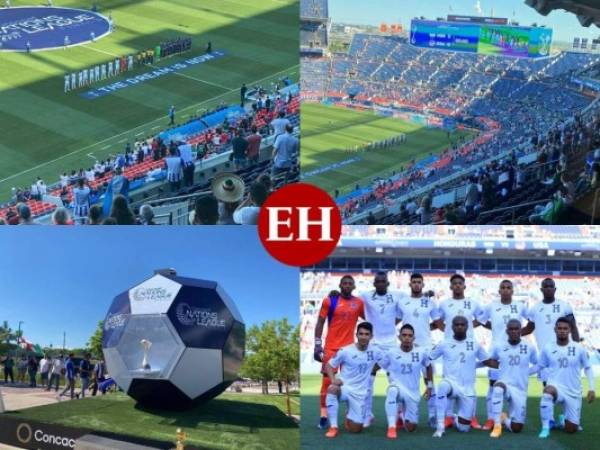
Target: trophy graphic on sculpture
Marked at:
146, 344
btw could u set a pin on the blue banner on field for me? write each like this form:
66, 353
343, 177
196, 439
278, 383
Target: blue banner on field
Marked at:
144, 77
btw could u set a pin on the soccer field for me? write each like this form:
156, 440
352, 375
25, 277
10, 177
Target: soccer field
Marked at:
374, 437
327, 131
44, 132
231, 421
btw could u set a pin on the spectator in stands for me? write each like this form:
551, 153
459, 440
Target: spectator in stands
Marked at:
81, 201
147, 215
253, 151
174, 165
550, 213
424, 211
25, 215
60, 216
472, 196
95, 215
121, 212
206, 211
284, 150
265, 179
228, 189
110, 221
280, 124
240, 148
247, 212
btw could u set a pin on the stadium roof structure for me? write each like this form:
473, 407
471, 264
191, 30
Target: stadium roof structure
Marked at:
587, 11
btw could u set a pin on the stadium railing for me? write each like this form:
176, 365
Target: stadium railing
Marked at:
513, 208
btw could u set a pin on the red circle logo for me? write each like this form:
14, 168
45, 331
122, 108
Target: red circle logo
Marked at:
299, 224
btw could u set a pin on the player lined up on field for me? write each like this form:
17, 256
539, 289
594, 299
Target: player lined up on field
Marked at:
350, 360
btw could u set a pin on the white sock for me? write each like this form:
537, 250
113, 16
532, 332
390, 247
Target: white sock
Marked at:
449, 408
488, 403
495, 404
333, 405
431, 404
369, 398
508, 424
441, 403
546, 410
391, 406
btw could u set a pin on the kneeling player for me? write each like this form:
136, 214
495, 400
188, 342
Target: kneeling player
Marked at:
460, 355
404, 367
564, 360
514, 358
356, 362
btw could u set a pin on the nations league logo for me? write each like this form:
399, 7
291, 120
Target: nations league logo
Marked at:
198, 316
42, 28
114, 321
157, 294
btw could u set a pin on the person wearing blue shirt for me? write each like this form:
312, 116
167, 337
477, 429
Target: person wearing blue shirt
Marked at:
85, 367
70, 377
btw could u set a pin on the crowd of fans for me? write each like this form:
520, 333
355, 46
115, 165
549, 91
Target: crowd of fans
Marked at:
80, 191
521, 107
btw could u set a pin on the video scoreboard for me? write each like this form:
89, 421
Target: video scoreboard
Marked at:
487, 37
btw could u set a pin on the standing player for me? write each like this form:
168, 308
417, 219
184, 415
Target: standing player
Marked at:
111, 72
404, 365
381, 310
514, 359
356, 361
103, 71
542, 318
564, 360
460, 354
342, 313
496, 316
67, 83
420, 311
459, 305
73, 81
97, 73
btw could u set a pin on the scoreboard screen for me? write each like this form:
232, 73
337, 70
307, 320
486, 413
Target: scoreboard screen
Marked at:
483, 38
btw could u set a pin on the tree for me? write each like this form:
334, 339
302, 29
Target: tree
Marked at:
95, 342
273, 354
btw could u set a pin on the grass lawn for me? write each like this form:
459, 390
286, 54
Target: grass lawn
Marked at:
45, 132
374, 437
231, 421
328, 131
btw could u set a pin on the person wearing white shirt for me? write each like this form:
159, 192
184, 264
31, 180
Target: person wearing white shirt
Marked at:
420, 310
42, 188
355, 362
55, 373
81, 201
247, 212
64, 180
404, 364
543, 315
460, 355
44, 369
496, 316
564, 360
517, 360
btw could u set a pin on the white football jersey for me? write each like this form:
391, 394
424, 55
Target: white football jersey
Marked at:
382, 312
544, 315
356, 366
419, 312
514, 362
404, 368
499, 314
466, 307
459, 361
564, 363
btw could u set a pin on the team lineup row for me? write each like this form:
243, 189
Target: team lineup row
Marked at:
511, 359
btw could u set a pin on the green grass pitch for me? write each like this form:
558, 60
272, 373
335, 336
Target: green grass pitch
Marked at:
45, 132
328, 131
230, 421
374, 437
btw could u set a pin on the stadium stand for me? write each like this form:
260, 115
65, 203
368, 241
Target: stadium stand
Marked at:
144, 165
535, 129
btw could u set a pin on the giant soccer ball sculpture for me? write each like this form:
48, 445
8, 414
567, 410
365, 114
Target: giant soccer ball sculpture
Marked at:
173, 342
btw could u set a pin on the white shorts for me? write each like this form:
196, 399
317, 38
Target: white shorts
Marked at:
493, 374
356, 404
571, 406
465, 401
517, 403
410, 405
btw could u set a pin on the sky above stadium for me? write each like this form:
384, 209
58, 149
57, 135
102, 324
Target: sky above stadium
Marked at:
58, 279
565, 25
